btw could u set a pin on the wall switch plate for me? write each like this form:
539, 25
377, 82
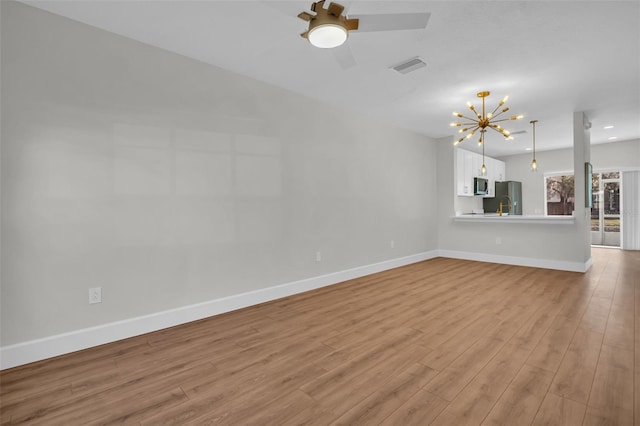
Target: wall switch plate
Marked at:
498, 240
95, 295
392, 244
318, 256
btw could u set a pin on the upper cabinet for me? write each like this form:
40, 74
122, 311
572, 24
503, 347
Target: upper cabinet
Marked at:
464, 172
499, 171
469, 166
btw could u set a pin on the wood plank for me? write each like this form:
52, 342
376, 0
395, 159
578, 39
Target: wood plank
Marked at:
532, 330
362, 364
575, 375
455, 377
620, 326
477, 398
447, 352
559, 411
551, 348
419, 410
80, 408
596, 315
382, 403
520, 402
611, 400
235, 395
340, 395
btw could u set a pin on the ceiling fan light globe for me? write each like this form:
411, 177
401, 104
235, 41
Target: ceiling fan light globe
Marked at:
328, 36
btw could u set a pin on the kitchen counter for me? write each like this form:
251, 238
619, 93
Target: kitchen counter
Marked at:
495, 218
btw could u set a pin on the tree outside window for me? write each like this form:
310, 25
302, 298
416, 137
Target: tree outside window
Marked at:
560, 195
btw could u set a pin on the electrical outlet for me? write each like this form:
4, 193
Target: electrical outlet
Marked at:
318, 256
95, 295
392, 244
498, 240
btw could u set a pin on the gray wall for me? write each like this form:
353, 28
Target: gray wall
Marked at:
169, 182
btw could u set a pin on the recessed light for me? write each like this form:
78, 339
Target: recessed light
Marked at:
527, 149
608, 127
612, 138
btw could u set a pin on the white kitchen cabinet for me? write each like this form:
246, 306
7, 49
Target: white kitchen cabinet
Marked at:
477, 165
490, 163
469, 165
500, 171
464, 173
495, 173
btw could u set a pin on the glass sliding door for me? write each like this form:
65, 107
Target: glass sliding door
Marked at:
605, 213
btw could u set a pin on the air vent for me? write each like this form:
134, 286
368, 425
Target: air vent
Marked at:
519, 132
409, 65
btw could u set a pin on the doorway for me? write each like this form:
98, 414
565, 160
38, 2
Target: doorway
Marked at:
605, 213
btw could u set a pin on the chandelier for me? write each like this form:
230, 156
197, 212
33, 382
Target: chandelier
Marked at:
483, 121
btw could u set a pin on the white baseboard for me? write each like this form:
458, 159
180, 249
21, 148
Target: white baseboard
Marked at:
36, 350
519, 261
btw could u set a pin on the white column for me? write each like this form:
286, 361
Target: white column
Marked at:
581, 155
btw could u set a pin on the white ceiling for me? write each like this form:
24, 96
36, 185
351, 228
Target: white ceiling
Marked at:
551, 57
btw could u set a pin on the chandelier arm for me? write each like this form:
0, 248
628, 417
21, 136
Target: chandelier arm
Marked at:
496, 130
502, 119
472, 131
494, 111
468, 134
472, 119
498, 114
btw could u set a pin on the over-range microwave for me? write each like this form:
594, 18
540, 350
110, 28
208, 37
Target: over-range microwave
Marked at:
480, 186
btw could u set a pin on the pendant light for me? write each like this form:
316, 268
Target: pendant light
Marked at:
534, 163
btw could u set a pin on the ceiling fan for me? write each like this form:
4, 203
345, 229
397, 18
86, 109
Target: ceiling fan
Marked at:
329, 27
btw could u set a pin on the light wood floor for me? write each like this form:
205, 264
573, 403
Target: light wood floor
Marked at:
445, 342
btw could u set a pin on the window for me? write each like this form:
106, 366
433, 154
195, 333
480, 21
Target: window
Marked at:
560, 195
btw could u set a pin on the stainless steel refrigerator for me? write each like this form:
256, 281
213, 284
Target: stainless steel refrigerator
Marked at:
510, 189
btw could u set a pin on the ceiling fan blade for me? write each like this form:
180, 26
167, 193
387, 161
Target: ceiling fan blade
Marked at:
305, 16
351, 24
392, 22
344, 56
335, 9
